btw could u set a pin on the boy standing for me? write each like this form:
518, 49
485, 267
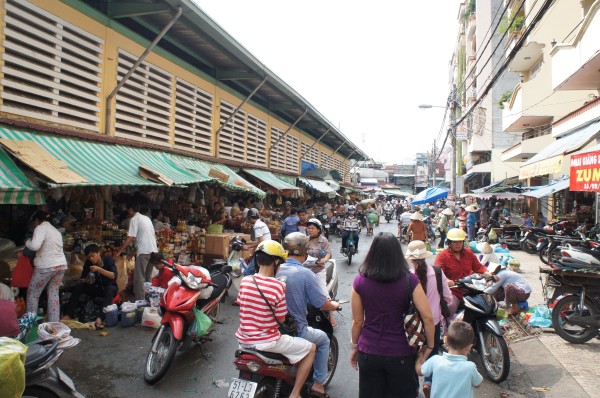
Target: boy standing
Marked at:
453, 375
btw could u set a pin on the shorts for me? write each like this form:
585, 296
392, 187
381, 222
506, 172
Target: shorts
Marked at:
293, 348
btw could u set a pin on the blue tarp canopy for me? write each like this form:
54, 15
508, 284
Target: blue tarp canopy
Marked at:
430, 195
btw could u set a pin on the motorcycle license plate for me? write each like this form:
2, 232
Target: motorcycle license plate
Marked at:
550, 292
327, 226
241, 389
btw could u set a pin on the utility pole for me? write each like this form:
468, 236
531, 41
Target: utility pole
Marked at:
452, 132
434, 157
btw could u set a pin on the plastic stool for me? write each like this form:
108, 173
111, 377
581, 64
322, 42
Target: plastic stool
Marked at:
524, 305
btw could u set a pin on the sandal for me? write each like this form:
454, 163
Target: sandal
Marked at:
317, 394
99, 325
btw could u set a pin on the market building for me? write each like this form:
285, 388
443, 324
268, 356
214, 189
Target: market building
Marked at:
105, 102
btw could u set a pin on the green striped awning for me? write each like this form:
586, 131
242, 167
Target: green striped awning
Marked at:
15, 187
289, 179
235, 182
271, 180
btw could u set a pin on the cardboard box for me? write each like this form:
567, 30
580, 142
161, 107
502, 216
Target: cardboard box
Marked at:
218, 244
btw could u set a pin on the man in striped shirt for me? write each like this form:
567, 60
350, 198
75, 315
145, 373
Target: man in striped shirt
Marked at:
258, 325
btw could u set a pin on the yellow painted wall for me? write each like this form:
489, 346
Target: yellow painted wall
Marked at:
113, 41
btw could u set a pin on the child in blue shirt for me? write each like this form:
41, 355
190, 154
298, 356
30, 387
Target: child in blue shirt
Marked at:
453, 375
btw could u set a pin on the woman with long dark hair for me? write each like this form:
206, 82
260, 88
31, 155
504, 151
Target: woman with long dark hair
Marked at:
416, 253
380, 350
50, 264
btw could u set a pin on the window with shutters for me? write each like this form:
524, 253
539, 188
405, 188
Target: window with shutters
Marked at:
326, 160
50, 67
312, 156
292, 156
278, 152
256, 141
193, 118
232, 139
143, 104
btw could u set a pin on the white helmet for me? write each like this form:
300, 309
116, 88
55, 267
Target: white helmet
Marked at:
315, 222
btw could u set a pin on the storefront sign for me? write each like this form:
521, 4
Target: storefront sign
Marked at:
224, 178
547, 166
585, 172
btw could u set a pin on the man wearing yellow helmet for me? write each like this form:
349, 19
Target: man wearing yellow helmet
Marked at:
457, 261
263, 307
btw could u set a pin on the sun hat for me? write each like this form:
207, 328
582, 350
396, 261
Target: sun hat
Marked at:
416, 216
448, 212
417, 250
484, 248
472, 208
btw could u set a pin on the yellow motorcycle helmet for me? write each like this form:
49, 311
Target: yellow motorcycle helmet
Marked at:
272, 248
456, 234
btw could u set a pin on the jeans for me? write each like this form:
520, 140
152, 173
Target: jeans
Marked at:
320, 339
346, 235
387, 377
442, 241
436, 348
471, 232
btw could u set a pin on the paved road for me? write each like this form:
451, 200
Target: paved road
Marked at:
112, 366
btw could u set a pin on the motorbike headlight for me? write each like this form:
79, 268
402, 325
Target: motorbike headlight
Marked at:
254, 366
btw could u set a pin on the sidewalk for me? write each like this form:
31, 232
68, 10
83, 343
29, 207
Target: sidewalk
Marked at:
568, 370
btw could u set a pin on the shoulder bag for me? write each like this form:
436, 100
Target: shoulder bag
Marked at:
443, 303
288, 326
413, 324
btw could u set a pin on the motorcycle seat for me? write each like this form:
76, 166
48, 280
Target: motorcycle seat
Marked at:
220, 281
39, 353
271, 358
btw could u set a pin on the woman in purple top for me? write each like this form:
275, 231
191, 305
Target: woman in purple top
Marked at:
380, 351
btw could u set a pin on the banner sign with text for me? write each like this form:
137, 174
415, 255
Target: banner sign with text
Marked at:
585, 172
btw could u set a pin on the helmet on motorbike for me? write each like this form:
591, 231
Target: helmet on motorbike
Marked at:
351, 209
272, 248
296, 243
315, 222
456, 234
498, 204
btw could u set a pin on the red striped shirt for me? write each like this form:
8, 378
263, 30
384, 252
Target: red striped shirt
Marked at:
257, 324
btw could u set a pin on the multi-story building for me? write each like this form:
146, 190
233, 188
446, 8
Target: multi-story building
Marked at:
480, 138
86, 77
403, 176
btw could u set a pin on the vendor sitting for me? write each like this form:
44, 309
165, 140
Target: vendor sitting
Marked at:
98, 279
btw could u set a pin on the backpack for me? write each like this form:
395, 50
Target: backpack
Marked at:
443, 303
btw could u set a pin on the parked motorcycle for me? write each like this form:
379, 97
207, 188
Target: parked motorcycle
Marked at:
550, 246
186, 290
42, 379
576, 315
508, 234
266, 374
480, 312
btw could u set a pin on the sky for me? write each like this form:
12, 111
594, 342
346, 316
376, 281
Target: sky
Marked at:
365, 66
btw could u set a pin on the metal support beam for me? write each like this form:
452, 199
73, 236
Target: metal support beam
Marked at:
109, 110
283, 135
334, 152
314, 143
230, 118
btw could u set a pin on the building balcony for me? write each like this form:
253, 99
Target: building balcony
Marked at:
471, 25
525, 150
576, 65
517, 116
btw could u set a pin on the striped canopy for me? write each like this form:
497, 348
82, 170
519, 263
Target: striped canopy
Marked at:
271, 180
15, 187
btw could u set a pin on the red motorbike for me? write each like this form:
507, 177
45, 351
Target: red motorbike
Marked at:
190, 287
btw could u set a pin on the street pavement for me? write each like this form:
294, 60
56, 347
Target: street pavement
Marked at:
113, 365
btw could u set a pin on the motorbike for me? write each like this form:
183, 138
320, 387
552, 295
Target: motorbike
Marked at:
549, 247
324, 218
576, 299
351, 248
388, 214
266, 374
189, 288
42, 379
480, 312
509, 234
429, 227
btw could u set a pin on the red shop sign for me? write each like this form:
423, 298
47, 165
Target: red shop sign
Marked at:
585, 172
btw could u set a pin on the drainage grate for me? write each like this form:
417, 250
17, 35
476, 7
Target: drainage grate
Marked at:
517, 329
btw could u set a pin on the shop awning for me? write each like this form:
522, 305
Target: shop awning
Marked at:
397, 192
317, 185
15, 187
271, 180
220, 173
99, 164
549, 159
548, 189
430, 195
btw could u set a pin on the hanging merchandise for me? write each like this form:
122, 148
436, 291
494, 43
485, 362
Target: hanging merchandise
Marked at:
279, 200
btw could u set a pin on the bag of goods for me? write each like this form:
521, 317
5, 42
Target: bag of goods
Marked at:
58, 331
12, 367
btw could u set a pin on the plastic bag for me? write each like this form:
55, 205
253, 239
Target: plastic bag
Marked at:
492, 235
58, 331
203, 323
12, 367
541, 317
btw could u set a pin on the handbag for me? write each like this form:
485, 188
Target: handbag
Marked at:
443, 303
23, 272
413, 324
288, 326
